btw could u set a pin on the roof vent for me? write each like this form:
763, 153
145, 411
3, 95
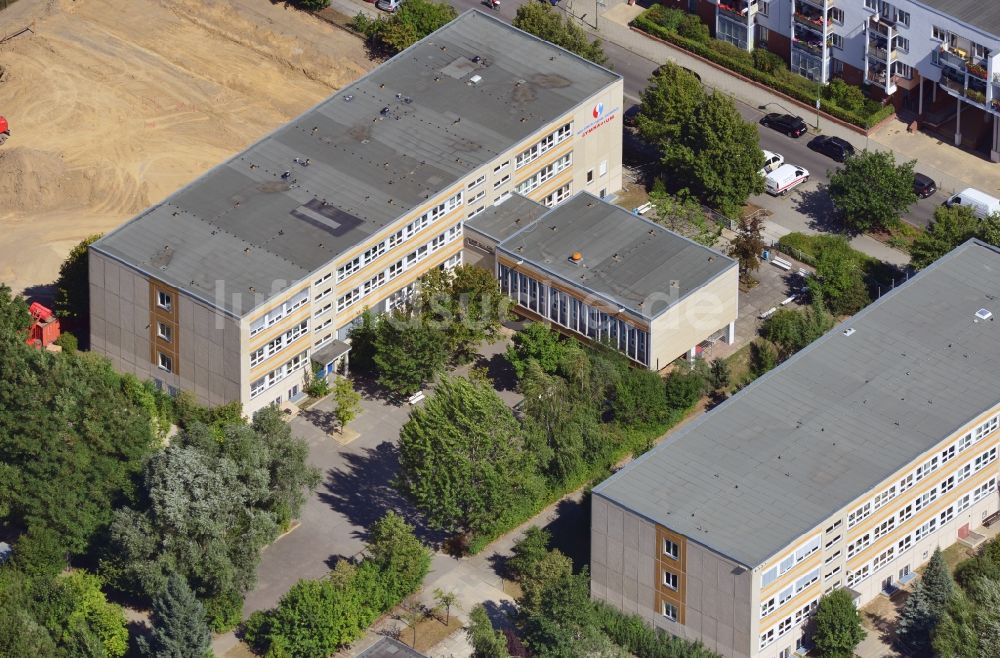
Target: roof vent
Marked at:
849, 332
984, 314
475, 80
576, 257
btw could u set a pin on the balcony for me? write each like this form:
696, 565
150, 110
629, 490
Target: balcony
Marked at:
814, 22
882, 54
957, 59
819, 4
978, 71
814, 48
736, 10
948, 82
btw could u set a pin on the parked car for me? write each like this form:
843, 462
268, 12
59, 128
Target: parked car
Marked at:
785, 123
660, 68
785, 178
771, 162
923, 186
388, 5
631, 116
835, 147
982, 204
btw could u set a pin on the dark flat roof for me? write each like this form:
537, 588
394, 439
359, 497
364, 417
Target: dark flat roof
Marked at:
356, 162
389, 648
834, 421
500, 222
631, 261
982, 14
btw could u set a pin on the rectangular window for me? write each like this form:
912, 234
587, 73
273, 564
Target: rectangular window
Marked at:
501, 181
603, 168
670, 580
500, 166
831, 558
671, 549
871, 4
669, 611
165, 362
901, 44
164, 331
764, 7
837, 41
164, 300
939, 33
981, 51
903, 17
558, 196
590, 175
762, 35
478, 181
836, 15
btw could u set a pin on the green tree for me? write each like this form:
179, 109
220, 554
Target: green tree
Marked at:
872, 191
763, 357
179, 628
466, 305
792, 329
747, 246
839, 282
409, 352
926, 605
542, 20
311, 5
14, 316
79, 615
684, 387
486, 642
539, 342
40, 552
719, 376
398, 554
683, 214
837, 625
363, 335
949, 228
640, 398
955, 634
556, 426
316, 385
717, 155
347, 402
528, 552
447, 600
462, 457
412, 21
72, 302
668, 102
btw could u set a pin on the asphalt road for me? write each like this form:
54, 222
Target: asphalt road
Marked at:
809, 199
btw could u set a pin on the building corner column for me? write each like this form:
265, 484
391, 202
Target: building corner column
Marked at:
731, 333
958, 122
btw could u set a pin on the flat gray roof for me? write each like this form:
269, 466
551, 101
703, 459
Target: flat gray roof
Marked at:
632, 261
389, 648
982, 14
356, 162
776, 460
500, 222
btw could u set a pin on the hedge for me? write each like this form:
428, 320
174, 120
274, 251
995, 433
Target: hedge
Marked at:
645, 24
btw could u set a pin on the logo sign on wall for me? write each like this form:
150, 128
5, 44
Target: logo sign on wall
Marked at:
600, 118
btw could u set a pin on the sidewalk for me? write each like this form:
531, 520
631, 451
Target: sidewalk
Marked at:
952, 168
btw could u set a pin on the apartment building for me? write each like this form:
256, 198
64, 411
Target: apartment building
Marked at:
597, 272
845, 467
235, 285
940, 59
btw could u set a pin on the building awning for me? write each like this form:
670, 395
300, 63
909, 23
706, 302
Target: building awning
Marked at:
330, 353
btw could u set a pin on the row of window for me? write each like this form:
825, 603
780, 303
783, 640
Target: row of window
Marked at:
271, 317
932, 524
557, 197
400, 266
279, 343
270, 379
977, 49
574, 314
546, 144
788, 623
968, 439
926, 498
889, 12
789, 561
544, 174
400, 236
785, 595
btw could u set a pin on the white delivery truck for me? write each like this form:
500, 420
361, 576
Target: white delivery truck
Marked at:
981, 203
784, 178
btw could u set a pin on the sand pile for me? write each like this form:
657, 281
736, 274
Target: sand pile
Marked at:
114, 104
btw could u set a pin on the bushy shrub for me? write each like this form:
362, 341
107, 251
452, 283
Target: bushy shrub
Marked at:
766, 61
846, 96
637, 637
691, 27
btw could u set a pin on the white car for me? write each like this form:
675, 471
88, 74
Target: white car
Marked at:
388, 5
771, 162
784, 178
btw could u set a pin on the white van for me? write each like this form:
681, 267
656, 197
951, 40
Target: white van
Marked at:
981, 203
784, 178
771, 162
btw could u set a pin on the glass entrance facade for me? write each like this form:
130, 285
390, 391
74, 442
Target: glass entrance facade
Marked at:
573, 314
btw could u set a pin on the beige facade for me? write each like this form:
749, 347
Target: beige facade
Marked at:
871, 546
222, 358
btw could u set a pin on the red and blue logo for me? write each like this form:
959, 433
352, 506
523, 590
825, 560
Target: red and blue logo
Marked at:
598, 110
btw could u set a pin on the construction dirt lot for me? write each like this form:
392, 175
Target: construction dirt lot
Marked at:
114, 104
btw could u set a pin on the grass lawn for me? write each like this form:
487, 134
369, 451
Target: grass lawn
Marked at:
430, 631
739, 366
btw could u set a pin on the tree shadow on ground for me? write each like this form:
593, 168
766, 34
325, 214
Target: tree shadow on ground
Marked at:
818, 208
500, 613
370, 389
363, 492
324, 420
570, 530
42, 293
500, 372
